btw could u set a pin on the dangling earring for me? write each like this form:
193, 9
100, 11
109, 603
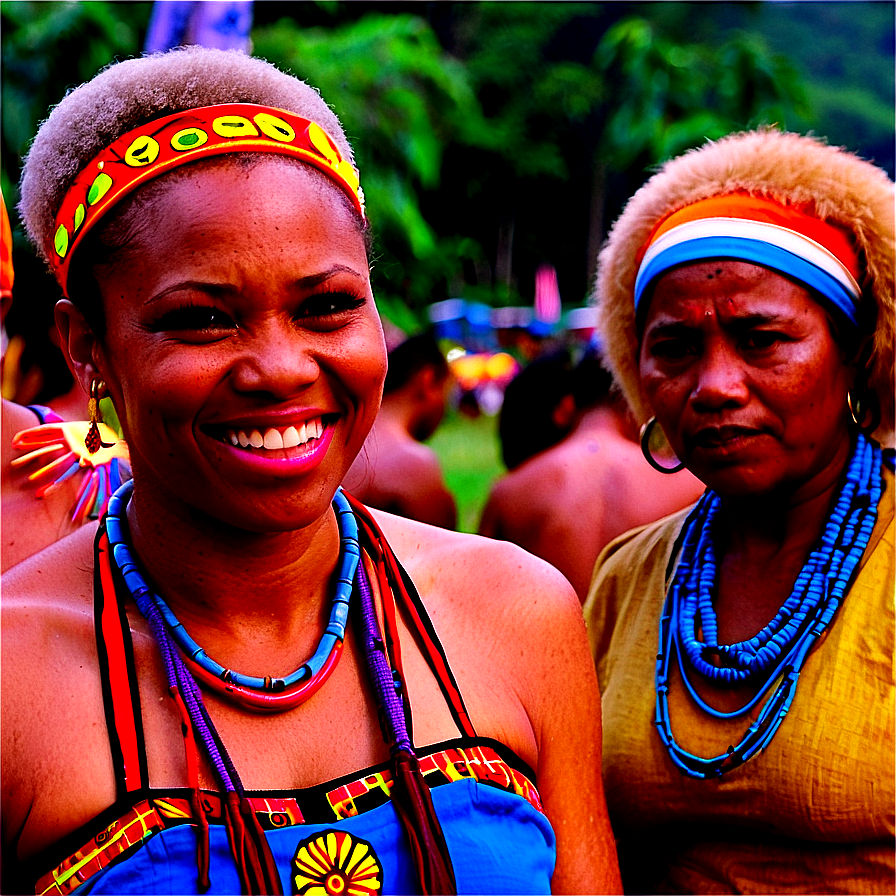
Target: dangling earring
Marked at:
860, 406
649, 443
93, 441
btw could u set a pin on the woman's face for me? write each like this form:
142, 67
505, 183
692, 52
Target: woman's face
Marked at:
744, 376
243, 349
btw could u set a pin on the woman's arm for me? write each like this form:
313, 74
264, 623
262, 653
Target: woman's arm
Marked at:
565, 703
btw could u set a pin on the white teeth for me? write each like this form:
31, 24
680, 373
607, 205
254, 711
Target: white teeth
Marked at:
273, 439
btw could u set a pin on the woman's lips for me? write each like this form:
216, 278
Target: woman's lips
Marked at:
723, 440
285, 449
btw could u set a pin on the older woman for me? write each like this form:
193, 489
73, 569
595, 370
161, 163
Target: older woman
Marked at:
185, 705
745, 647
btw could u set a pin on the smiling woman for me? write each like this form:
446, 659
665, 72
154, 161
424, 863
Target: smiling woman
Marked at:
211, 720
745, 647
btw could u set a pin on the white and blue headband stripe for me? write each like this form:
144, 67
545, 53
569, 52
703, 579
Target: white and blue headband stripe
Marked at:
779, 248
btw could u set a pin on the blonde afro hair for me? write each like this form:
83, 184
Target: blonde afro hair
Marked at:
830, 183
128, 93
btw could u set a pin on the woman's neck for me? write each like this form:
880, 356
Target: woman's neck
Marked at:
790, 515
762, 543
218, 576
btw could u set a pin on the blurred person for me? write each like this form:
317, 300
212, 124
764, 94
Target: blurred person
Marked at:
538, 409
395, 471
745, 647
565, 503
44, 497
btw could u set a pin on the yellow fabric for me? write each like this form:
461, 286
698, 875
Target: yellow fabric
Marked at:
811, 814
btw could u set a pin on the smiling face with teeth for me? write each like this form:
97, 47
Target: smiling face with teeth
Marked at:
243, 350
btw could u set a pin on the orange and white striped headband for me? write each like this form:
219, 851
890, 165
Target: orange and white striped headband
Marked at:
819, 254
158, 146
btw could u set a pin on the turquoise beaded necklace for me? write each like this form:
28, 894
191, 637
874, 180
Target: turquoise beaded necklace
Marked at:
263, 694
779, 650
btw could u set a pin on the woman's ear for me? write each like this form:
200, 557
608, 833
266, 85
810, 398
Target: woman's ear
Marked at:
79, 344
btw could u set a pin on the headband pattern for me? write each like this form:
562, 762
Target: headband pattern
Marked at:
158, 146
785, 239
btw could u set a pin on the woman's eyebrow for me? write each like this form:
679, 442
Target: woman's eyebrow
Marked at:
218, 289
670, 328
313, 280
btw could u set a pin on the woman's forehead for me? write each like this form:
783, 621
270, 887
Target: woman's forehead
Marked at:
239, 195
232, 225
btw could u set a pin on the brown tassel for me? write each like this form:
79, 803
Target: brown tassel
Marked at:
202, 844
267, 865
413, 803
254, 862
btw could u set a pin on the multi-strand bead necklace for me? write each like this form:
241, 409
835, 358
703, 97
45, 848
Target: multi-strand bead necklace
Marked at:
779, 650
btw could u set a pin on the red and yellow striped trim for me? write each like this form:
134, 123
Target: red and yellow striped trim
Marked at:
165, 143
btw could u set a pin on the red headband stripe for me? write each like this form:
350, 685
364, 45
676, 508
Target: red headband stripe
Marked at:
159, 146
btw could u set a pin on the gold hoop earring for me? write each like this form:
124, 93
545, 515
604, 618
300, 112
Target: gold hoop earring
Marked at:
860, 406
649, 443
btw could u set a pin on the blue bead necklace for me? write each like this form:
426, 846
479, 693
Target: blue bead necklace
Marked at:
779, 650
329, 647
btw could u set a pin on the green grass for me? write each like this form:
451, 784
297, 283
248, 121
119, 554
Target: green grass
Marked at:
470, 457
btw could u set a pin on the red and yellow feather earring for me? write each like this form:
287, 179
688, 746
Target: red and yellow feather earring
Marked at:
90, 447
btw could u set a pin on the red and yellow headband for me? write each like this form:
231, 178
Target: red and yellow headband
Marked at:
159, 146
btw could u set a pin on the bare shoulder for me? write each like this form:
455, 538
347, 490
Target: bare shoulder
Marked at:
48, 596
55, 568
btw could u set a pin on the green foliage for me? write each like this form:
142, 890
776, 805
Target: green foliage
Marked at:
489, 134
402, 100
47, 47
531, 96
670, 96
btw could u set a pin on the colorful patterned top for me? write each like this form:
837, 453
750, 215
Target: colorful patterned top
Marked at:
813, 813
342, 836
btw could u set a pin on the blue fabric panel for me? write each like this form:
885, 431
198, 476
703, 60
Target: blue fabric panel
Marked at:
498, 843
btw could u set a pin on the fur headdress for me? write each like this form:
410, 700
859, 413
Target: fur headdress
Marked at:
830, 183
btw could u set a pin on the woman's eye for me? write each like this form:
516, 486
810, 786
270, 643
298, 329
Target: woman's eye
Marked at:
203, 319
330, 304
761, 339
673, 349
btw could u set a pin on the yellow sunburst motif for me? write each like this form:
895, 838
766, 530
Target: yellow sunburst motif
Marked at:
336, 864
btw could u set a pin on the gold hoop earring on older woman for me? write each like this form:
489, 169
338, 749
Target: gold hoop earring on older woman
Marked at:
649, 444
862, 406
93, 441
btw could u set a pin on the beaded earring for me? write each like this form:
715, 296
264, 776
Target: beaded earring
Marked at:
651, 443
93, 441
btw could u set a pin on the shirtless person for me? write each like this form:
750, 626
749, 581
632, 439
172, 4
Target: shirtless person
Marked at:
394, 471
565, 503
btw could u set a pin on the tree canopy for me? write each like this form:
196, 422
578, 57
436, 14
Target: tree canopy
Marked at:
493, 137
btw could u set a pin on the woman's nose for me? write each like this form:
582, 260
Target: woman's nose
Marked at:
277, 359
721, 379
